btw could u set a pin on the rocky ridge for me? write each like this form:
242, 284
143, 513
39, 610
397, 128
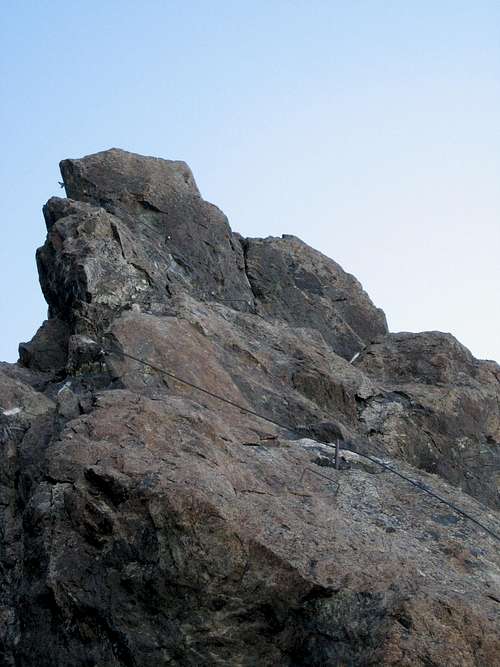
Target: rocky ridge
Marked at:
147, 523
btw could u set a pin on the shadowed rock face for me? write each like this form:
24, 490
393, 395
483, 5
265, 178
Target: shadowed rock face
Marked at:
299, 285
146, 523
439, 408
138, 232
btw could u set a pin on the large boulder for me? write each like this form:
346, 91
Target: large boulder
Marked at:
128, 181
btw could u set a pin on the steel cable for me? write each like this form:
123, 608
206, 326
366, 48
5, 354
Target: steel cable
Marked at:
419, 485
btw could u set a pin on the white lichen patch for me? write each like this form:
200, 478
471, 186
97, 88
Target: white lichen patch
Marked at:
11, 412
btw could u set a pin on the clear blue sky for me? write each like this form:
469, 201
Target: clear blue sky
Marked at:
369, 129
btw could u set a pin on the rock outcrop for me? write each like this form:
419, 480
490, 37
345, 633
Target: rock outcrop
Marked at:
439, 409
136, 232
145, 522
299, 285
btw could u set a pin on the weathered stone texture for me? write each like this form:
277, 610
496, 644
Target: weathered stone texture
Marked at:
439, 408
298, 284
144, 522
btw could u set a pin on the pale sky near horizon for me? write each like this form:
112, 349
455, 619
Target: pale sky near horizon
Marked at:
370, 129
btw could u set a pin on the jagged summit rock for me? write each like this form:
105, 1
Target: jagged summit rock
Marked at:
118, 178
136, 230
146, 523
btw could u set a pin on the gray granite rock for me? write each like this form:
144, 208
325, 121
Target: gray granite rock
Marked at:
145, 522
166, 234
439, 408
299, 285
47, 351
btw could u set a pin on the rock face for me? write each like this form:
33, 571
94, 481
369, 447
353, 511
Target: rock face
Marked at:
145, 522
439, 409
136, 232
299, 285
